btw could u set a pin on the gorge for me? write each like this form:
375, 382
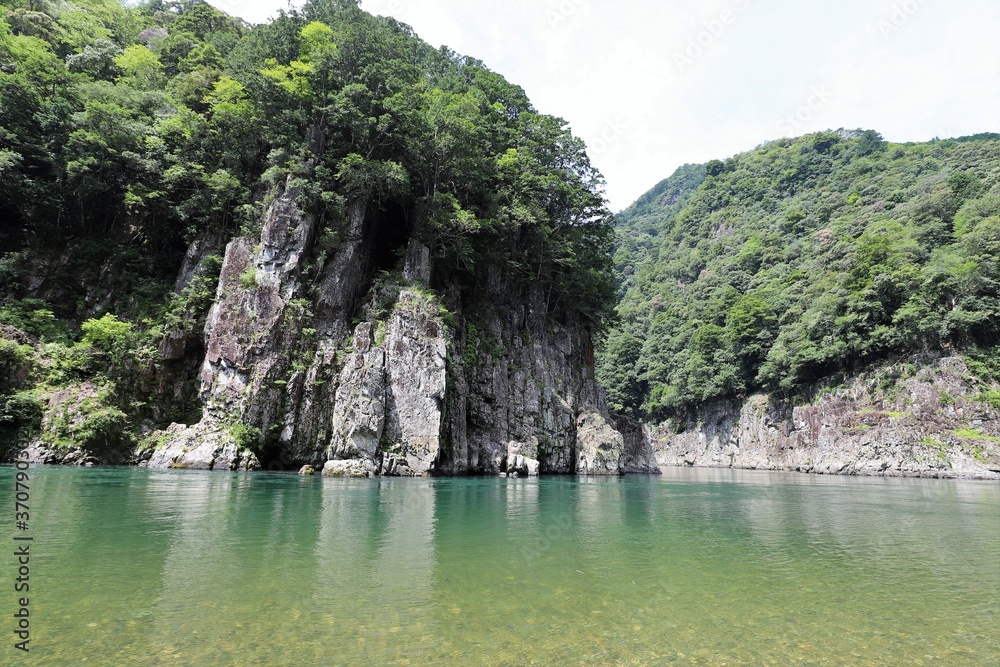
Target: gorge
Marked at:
321, 244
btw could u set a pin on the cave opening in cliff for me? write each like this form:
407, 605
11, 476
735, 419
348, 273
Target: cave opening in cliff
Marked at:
274, 458
392, 229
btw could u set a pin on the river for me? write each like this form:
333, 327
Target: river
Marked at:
695, 567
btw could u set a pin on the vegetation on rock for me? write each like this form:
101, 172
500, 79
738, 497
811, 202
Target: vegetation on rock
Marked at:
129, 133
801, 261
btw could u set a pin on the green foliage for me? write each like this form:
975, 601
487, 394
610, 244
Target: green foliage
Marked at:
34, 318
187, 309
248, 279
973, 434
175, 114
16, 364
107, 334
802, 260
985, 364
245, 435
20, 418
91, 422
63, 364
991, 398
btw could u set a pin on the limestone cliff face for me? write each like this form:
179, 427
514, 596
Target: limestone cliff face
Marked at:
439, 385
898, 421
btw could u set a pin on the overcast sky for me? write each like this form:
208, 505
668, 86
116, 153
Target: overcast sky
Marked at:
653, 84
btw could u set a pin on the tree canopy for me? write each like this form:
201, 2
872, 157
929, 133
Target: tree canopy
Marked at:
159, 123
801, 260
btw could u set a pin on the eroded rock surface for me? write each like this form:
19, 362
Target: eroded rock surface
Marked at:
439, 385
932, 423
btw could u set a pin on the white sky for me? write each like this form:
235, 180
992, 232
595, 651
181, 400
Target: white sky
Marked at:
653, 84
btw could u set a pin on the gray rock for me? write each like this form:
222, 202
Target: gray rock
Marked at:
195, 449
415, 355
442, 394
359, 403
862, 428
350, 468
599, 447
418, 262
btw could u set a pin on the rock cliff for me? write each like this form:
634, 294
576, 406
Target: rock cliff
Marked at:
329, 364
924, 417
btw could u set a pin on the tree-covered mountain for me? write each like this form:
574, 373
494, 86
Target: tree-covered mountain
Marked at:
145, 149
803, 260
151, 126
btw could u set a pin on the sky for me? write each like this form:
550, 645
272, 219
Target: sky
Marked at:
651, 85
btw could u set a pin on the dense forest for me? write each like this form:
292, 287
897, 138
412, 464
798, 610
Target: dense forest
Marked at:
802, 261
128, 133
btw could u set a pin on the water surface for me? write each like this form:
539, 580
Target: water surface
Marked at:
697, 567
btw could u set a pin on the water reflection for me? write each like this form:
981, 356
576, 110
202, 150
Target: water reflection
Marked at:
719, 566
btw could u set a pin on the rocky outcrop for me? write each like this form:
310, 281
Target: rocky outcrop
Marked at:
359, 403
898, 421
599, 447
416, 351
196, 449
431, 382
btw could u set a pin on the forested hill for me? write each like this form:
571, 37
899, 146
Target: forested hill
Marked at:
802, 260
127, 132
211, 235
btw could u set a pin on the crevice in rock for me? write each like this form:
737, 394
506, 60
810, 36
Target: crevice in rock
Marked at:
390, 233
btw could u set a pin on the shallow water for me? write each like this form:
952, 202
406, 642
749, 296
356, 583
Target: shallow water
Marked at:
697, 567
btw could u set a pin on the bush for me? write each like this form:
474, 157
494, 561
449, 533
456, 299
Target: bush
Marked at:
62, 364
16, 363
245, 435
22, 410
248, 279
990, 398
33, 317
108, 334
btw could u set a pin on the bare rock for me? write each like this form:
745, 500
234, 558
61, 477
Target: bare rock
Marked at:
359, 403
415, 355
418, 262
599, 447
927, 423
349, 468
189, 447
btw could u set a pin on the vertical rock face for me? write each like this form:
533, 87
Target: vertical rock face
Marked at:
599, 447
359, 403
416, 353
934, 423
488, 387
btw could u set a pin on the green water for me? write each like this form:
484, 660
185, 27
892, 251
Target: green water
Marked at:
136, 567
